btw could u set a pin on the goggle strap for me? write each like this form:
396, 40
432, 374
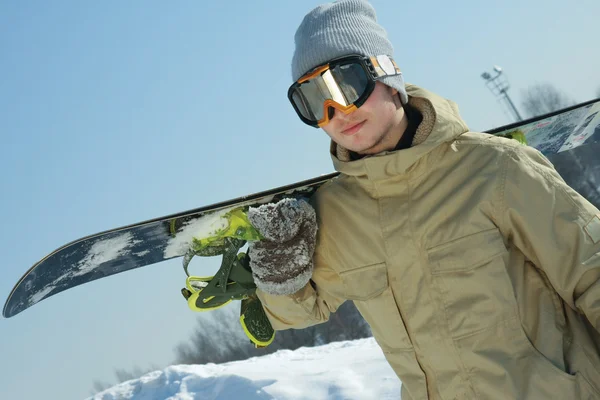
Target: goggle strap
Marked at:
384, 65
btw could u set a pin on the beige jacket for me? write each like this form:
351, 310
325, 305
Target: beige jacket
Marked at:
475, 264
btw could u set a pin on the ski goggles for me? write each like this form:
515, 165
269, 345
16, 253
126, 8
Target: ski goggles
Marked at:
344, 84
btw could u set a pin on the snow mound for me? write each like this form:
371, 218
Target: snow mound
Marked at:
338, 371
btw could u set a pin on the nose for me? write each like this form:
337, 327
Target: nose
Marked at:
334, 114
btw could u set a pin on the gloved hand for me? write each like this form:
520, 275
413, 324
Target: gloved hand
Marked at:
282, 263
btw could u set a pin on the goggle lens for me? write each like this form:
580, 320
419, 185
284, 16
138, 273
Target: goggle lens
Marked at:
344, 84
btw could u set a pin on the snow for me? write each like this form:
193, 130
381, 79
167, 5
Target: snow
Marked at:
103, 251
342, 370
202, 227
40, 295
100, 252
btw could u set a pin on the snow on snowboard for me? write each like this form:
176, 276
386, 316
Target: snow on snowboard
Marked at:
149, 242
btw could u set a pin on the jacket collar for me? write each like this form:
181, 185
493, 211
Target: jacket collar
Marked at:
441, 123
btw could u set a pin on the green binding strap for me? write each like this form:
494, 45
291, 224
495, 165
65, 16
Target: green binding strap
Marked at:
233, 280
517, 135
238, 227
255, 322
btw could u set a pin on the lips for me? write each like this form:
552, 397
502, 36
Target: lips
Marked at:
353, 128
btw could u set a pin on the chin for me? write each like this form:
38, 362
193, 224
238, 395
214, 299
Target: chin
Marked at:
357, 149
363, 147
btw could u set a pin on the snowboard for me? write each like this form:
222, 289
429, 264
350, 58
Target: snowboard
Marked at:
133, 246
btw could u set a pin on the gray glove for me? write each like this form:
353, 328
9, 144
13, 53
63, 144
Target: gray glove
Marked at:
282, 263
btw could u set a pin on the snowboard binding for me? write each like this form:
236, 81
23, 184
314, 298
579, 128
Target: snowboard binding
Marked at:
233, 280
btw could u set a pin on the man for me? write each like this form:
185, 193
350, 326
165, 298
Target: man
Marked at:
475, 264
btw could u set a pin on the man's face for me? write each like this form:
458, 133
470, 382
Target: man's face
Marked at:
374, 127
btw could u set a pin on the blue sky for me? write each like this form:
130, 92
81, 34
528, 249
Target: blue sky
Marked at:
115, 112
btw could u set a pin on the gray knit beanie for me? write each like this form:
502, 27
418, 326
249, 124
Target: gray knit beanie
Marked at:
341, 28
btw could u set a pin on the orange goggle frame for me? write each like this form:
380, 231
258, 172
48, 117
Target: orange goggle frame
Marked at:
344, 84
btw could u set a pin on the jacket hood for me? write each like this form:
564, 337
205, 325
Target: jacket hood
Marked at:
441, 123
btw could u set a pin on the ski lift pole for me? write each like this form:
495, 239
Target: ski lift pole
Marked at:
498, 85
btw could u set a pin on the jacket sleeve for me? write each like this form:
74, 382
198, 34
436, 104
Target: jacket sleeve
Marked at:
554, 226
309, 306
